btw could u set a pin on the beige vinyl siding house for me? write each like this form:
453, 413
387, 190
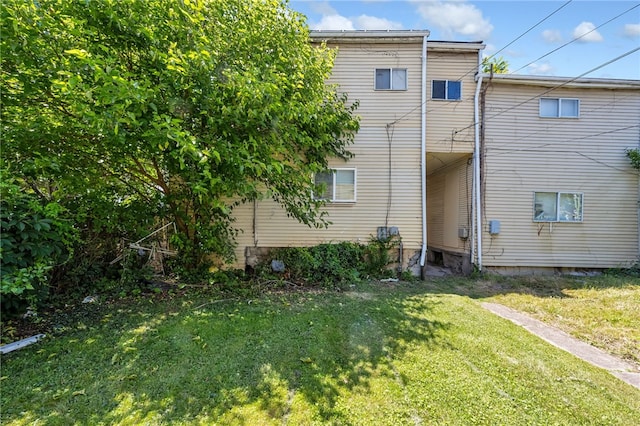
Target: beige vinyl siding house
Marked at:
450, 145
386, 162
552, 189
528, 159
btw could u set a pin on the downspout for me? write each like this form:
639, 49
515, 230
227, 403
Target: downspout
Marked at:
477, 223
423, 154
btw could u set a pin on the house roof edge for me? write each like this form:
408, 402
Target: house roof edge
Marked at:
361, 36
551, 81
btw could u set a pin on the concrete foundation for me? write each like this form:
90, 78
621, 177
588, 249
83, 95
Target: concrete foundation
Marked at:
458, 263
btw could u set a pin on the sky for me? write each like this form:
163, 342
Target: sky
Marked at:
524, 33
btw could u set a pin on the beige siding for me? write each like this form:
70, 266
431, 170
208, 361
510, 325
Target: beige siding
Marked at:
524, 153
374, 149
448, 207
450, 123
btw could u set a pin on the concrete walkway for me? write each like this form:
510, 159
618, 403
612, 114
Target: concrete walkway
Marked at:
621, 369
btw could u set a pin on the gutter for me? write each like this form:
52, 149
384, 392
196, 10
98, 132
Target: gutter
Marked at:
477, 223
423, 152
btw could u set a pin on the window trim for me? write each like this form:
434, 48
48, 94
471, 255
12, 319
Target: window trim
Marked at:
446, 90
559, 100
391, 88
333, 199
557, 205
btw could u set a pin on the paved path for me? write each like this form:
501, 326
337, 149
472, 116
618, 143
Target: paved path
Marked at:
621, 369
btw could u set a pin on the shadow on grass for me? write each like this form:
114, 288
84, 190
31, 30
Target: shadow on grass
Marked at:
247, 362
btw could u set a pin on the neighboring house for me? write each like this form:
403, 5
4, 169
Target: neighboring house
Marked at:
557, 188
425, 117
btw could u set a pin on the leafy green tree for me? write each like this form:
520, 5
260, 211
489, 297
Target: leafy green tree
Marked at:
190, 106
497, 65
34, 237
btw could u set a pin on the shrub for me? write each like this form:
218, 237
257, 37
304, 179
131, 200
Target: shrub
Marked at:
35, 237
333, 265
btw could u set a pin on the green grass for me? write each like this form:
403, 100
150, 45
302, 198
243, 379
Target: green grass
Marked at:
603, 310
379, 354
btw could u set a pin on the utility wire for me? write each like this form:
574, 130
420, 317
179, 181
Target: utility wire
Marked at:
476, 68
575, 39
520, 36
411, 111
568, 81
556, 87
549, 128
538, 148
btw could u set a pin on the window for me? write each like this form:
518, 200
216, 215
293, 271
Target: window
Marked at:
337, 185
559, 107
557, 207
391, 79
446, 89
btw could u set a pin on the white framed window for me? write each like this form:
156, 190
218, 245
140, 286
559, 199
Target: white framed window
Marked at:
559, 108
336, 185
449, 90
391, 79
557, 207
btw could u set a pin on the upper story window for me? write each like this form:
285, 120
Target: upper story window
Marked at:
559, 107
337, 185
391, 79
449, 90
557, 207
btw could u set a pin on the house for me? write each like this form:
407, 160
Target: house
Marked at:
457, 163
557, 189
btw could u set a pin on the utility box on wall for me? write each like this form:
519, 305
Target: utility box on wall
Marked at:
494, 227
463, 233
386, 232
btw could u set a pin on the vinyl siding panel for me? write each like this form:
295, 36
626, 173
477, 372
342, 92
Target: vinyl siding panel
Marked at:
524, 154
450, 123
449, 207
378, 152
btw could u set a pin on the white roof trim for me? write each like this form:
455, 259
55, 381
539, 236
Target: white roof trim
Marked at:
548, 81
370, 36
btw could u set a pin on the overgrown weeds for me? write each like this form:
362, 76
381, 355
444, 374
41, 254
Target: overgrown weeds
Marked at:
332, 266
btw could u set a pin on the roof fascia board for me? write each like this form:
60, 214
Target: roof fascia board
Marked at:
544, 81
455, 46
369, 36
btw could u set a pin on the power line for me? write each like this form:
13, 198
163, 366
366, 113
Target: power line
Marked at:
568, 81
475, 68
581, 154
537, 148
556, 87
549, 128
547, 91
520, 36
576, 39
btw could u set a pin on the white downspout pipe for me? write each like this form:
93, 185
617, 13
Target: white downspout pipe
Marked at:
423, 153
477, 223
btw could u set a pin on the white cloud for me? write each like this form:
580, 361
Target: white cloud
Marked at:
323, 8
333, 22
631, 30
552, 36
366, 22
457, 17
540, 69
586, 30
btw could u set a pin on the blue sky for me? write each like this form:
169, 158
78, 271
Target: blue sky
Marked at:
499, 23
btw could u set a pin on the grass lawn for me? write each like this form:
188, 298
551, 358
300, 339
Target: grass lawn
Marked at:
603, 310
378, 354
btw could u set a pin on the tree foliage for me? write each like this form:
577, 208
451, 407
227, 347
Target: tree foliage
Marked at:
495, 65
634, 157
34, 237
190, 107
